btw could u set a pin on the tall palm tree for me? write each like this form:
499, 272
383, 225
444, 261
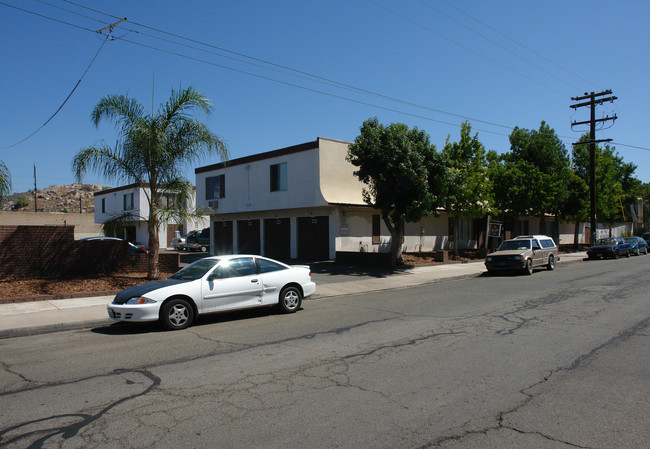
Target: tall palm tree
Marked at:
152, 150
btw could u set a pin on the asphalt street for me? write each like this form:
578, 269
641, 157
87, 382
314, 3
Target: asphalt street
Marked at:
558, 359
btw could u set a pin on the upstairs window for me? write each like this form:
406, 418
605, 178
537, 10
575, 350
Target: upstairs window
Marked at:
103, 205
128, 201
215, 187
170, 201
278, 177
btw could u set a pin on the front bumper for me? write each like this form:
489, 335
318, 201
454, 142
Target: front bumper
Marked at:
135, 312
505, 264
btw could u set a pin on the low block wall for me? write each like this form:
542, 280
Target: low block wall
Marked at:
51, 251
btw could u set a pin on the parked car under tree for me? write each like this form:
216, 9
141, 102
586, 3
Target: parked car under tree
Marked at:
638, 246
524, 253
609, 248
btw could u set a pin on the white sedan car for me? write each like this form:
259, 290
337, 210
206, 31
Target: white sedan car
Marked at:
214, 284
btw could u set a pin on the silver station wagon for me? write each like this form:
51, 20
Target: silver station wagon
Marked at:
524, 253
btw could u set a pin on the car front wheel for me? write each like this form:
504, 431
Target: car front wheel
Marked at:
529, 267
176, 314
551, 262
290, 299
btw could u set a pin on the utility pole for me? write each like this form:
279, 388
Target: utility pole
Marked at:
593, 100
35, 200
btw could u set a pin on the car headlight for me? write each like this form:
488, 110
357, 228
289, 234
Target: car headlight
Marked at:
518, 257
489, 259
140, 300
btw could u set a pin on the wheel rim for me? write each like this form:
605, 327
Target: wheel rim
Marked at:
291, 299
178, 315
551, 262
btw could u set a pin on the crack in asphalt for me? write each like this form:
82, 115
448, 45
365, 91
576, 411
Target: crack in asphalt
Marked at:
25, 433
632, 331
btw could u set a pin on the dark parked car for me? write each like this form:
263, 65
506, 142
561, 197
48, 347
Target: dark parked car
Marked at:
611, 247
646, 237
134, 248
637, 245
198, 240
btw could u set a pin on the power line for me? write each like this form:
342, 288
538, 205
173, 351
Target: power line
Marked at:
465, 47
493, 42
273, 66
301, 73
518, 43
64, 101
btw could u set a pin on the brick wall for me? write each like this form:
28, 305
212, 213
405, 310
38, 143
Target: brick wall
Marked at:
51, 251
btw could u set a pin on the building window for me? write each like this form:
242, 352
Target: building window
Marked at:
215, 187
170, 202
103, 205
128, 201
278, 177
376, 229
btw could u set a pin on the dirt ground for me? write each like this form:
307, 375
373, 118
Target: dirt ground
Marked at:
12, 290
65, 288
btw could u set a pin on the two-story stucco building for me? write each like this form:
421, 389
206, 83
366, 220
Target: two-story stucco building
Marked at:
132, 200
303, 202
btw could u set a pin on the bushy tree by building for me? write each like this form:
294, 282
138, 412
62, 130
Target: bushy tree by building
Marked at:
470, 190
532, 178
152, 150
404, 175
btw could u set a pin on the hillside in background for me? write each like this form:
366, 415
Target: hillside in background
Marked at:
77, 198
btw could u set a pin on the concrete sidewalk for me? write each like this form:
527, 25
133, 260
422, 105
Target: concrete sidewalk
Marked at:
41, 317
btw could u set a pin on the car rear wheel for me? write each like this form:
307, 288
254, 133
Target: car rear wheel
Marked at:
290, 299
529, 267
176, 314
551, 262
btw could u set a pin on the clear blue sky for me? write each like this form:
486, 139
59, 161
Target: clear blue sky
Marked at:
280, 73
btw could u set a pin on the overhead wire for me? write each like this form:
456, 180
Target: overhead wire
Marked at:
493, 42
303, 74
64, 101
518, 43
465, 47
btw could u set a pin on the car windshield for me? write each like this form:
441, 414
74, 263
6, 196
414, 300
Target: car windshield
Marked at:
607, 242
631, 240
195, 270
513, 245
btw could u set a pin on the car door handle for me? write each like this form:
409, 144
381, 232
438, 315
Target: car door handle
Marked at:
254, 281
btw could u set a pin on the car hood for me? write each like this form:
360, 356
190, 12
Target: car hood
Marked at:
511, 252
139, 290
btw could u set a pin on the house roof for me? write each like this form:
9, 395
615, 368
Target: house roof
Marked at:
267, 155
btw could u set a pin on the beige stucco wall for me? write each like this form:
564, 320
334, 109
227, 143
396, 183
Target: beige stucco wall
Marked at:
84, 224
337, 181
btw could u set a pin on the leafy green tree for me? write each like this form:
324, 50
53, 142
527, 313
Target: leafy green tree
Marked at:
470, 191
404, 175
152, 150
616, 185
532, 178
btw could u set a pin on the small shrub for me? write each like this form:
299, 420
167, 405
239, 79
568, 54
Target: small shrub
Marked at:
21, 202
